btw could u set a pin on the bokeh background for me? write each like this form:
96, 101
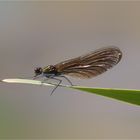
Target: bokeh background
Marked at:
41, 33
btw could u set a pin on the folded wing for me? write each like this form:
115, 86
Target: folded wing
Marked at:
91, 64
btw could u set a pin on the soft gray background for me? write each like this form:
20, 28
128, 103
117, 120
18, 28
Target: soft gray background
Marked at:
41, 33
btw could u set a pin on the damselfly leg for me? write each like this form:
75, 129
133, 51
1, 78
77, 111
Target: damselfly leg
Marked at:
66, 79
56, 85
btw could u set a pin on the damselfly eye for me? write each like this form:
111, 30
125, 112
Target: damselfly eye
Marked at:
38, 71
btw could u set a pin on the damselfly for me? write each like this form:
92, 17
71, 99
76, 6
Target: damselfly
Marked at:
85, 66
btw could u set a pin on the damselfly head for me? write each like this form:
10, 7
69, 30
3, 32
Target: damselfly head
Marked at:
38, 71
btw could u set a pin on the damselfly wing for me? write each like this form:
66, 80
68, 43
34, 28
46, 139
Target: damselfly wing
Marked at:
91, 64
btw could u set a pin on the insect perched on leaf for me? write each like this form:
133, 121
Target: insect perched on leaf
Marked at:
85, 66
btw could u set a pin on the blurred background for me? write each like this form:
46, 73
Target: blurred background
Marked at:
41, 33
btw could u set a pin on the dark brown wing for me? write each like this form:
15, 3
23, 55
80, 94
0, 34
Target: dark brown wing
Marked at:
91, 64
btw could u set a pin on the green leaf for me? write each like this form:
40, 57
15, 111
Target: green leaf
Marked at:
131, 96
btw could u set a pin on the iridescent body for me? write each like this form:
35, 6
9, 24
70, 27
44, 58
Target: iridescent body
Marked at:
49, 71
